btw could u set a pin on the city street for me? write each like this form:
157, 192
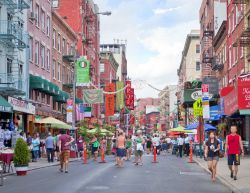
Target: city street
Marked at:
170, 175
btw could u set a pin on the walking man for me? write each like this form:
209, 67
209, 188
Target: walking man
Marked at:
64, 149
49, 144
180, 142
121, 140
233, 148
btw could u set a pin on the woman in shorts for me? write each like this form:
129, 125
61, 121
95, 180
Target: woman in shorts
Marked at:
212, 149
139, 141
95, 147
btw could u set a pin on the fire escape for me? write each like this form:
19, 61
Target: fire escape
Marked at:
13, 40
243, 40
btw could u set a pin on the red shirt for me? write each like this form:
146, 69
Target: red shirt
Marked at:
64, 139
233, 144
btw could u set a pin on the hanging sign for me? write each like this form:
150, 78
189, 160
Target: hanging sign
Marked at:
110, 100
82, 67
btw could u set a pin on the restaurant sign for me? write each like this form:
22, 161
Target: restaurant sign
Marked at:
244, 92
22, 106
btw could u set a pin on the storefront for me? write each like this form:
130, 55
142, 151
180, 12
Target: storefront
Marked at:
23, 113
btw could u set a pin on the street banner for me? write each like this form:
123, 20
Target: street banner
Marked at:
79, 114
109, 100
119, 96
206, 109
69, 110
92, 96
244, 92
82, 67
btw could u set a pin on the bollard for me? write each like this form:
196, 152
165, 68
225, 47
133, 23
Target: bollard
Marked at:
102, 156
155, 155
85, 155
191, 153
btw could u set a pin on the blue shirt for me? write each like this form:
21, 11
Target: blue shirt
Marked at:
36, 144
49, 142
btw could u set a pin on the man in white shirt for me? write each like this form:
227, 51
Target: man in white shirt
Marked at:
187, 146
180, 142
156, 141
168, 140
7, 138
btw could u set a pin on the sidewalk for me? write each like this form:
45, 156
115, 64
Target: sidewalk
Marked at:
242, 185
41, 163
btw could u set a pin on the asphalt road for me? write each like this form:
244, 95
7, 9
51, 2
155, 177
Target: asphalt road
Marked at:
170, 175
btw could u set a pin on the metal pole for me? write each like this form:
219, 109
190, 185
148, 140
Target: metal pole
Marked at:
74, 102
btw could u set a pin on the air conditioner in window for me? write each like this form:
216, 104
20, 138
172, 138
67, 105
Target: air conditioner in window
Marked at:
32, 16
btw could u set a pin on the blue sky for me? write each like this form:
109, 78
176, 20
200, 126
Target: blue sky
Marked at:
155, 31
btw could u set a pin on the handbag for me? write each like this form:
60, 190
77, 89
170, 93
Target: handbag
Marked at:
221, 154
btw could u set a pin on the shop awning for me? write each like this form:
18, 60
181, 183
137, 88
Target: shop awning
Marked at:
5, 106
62, 97
36, 82
245, 112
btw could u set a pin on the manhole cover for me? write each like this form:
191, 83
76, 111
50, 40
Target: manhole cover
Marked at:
192, 173
97, 188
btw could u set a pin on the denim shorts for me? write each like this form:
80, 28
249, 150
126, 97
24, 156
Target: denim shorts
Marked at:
120, 152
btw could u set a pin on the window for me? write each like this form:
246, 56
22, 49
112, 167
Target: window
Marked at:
230, 57
54, 38
67, 49
63, 46
198, 66
55, 3
43, 20
197, 48
20, 69
54, 105
42, 56
54, 69
59, 42
43, 97
37, 16
31, 49
9, 66
241, 52
48, 99
102, 68
59, 72
36, 52
48, 60
37, 95
236, 54
48, 26
63, 74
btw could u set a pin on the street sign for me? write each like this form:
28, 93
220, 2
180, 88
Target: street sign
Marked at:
205, 91
197, 106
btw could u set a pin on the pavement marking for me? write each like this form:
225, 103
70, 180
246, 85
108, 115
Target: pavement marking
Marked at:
97, 188
192, 173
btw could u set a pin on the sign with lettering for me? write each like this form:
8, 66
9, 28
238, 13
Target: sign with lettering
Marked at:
22, 106
197, 106
231, 102
244, 92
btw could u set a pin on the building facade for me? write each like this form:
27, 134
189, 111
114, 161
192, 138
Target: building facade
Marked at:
64, 42
119, 52
83, 17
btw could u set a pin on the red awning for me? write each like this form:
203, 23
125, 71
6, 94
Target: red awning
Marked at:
226, 90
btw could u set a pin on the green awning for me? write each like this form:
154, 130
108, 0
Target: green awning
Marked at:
36, 82
62, 97
47, 87
5, 106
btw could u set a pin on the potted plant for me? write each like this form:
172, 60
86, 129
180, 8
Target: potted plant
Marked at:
21, 157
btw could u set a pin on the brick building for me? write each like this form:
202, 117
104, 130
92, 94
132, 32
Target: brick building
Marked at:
40, 46
83, 17
64, 40
108, 68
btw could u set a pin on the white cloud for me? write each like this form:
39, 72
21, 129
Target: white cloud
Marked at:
160, 11
153, 53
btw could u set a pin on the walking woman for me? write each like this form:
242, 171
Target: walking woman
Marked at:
128, 147
139, 148
95, 147
212, 148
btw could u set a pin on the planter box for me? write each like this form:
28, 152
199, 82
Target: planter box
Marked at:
21, 171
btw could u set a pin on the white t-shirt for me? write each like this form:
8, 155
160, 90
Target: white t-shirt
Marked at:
187, 140
156, 141
168, 140
180, 141
7, 134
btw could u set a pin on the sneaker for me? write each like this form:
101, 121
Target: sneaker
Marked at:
61, 170
136, 164
235, 177
232, 175
66, 171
